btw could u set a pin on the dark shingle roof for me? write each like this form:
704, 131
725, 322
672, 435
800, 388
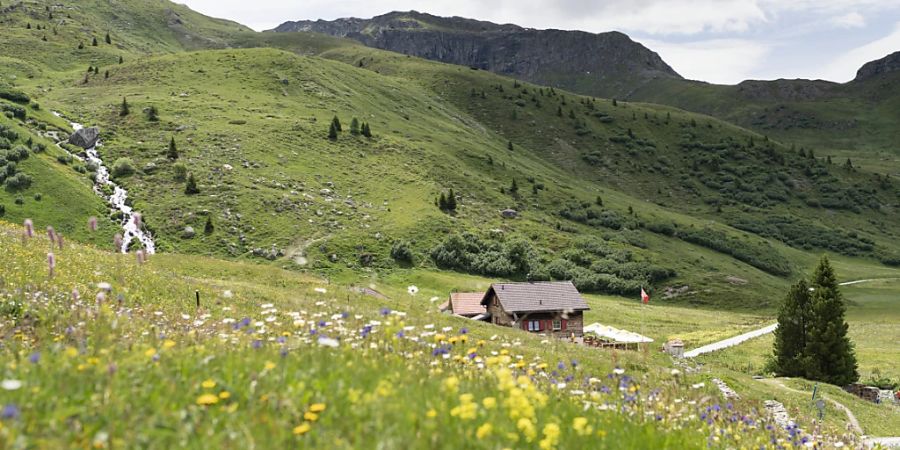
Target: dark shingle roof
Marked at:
534, 297
467, 303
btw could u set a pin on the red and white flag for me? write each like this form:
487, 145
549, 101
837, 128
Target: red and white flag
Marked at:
645, 298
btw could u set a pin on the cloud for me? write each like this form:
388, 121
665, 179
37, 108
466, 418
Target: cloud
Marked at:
844, 67
849, 20
723, 61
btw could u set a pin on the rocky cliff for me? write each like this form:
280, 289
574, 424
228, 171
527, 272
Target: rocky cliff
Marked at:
872, 69
605, 64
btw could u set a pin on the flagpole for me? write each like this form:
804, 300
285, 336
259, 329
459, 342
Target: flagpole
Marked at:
642, 312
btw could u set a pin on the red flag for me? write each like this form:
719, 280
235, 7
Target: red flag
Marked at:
644, 296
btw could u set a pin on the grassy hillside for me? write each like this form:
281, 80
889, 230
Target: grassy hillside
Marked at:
853, 120
614, 196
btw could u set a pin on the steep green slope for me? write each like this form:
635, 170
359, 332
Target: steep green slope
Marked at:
614, 196
854, 120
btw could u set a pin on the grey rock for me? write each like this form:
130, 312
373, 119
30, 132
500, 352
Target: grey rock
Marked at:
188, 232
509, 213
85, 138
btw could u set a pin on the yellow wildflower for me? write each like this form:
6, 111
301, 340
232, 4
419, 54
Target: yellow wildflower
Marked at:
269, 365
580, 425
526, 428
150, 352
311, 416
451, 384
439, 338
431, 414
551, 436
484, 431
208, 384
207, 399
489, 402
302, 429
317, 407
71, 352
168, 343
224, 395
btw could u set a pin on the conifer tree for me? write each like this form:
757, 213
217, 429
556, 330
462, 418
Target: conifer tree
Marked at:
451, 201
108, 39
94, 42
354, 126
124, 110
81, 46
509, 146
794, 317
514, 187
106, 75
173, 150
208, 228
615, 102
366, 131
121, 59
337, 124
442, 202
829, 353
191, 187
332, 132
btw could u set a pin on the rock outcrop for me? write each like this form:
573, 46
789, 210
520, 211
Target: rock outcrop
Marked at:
605, 64
85, 138
872, 69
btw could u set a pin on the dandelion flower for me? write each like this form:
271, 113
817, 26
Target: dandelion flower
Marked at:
489, 402
431, 414
168, 343
302, 429
269, 365
310, 416
207, 399
150, 352
208, 384
224, 395
317, 407
484, 431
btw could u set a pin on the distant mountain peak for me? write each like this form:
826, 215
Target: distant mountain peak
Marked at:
606, 64
890, 63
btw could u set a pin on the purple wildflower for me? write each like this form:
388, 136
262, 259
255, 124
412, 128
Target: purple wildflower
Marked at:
463, 330
117, 242
51, 262
10, 412
92, 224
257, 343
51, 234
29, 228
385, 311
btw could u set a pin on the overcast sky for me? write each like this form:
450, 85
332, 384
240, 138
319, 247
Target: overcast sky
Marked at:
720, 41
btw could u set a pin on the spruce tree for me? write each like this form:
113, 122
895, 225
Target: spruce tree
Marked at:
829, 354
124, 110
106, 74
509, 146
354, 126
451, 201
108, 39
191, 187
121, 59
366, 131
81, 46
208, 228
153, 114
514, 187
790, 336
442, 202
332, 132
337, 124
173, 150
94, 42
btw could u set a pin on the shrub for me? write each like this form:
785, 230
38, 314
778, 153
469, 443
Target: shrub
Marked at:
38, 196
402, 252
18, 181
2, 210
14, 95
180, 172
123, 167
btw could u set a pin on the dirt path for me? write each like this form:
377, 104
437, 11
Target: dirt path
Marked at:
850, 417
869, 280
730, 342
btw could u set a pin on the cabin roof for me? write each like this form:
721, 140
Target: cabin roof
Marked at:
536, 297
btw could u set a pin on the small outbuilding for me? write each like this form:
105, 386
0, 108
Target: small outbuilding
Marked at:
674, 347
551, 308
465, 304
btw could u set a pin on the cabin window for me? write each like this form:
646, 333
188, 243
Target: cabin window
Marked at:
557, 325
534, 325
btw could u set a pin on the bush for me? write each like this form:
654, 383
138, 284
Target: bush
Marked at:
18, 181
180, 172
2, 210
14, 95
757, 254
470, 253
123, 167
38, 196
402, 252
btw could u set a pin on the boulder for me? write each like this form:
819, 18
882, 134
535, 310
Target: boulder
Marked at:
85, 138
509, 213
188, 232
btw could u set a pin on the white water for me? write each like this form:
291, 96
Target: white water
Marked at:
130, 230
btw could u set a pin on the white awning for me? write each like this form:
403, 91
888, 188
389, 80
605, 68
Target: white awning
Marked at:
615, 335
